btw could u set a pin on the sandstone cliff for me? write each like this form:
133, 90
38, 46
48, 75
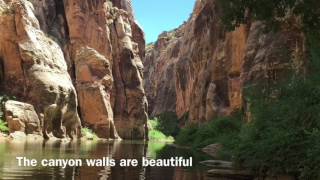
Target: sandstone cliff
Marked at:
201, 70
78, 62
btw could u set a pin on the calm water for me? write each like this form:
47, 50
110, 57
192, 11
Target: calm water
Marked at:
117, 150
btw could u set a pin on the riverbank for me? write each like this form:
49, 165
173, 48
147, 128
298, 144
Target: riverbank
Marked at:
279, 135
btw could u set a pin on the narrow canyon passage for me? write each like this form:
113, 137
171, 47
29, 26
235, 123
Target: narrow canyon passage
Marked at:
231, 86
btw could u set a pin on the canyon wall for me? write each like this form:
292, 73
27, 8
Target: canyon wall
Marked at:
200, 70
78, 62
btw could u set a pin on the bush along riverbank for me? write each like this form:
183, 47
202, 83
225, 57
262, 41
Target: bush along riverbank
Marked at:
3, 125
163, 127
280, 137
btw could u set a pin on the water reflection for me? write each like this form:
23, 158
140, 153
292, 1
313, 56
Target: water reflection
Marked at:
117, 150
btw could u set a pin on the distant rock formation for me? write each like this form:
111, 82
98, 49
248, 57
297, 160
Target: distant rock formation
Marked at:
54, 54
201, 70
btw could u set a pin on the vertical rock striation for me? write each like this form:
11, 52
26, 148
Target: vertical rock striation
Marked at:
55, 53
201, 70
108, 67
35, 69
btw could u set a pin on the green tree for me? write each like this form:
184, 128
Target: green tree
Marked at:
273, 12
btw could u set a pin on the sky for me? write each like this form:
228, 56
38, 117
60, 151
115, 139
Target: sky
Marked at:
156, 16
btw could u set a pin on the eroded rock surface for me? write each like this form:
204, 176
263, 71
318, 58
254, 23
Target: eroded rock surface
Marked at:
94, 84
35, 69
201, 70
53, 53
22, 117
110, 31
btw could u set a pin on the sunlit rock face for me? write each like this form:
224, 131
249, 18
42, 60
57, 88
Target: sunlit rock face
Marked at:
108, 30
200, 70
35, 70
55, 53
22, 117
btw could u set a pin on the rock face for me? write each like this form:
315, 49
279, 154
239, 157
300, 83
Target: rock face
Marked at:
22, 117
35, 69
55, 53
117, 85
201, 70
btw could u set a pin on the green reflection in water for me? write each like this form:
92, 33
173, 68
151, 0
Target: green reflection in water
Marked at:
95, 150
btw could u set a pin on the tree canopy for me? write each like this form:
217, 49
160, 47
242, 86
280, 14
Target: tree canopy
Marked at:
273, 12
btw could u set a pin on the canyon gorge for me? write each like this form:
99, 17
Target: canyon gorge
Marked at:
238, 80
75, 63
200, 70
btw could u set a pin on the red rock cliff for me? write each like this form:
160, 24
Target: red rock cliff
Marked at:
200, 69
75, 59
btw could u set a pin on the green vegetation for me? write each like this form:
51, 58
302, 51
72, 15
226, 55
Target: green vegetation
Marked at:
273, 12
282, 136
167, 123
223, 130
155, 135
3, 127
155, 132
154, 148
199, 136
89, 134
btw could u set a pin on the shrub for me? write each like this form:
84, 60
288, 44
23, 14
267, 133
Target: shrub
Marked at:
274, 13
187, 135
3, 126
282, 137
155, 134
167, 123
163, 127
89, 134
223, 130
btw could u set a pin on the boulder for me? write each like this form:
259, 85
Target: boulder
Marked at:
22, 117
217, 164
212, 149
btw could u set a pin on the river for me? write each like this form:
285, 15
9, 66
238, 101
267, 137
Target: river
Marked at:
9, 168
